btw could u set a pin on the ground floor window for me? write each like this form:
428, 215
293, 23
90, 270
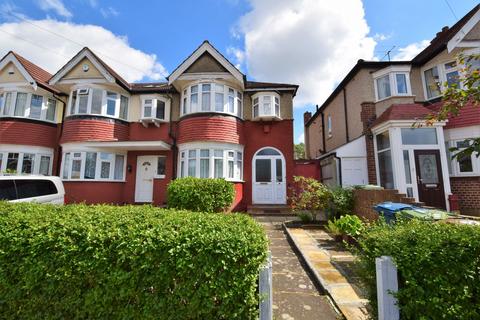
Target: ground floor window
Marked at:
211, 161
462, 166
384, 160
87, 165
16, 161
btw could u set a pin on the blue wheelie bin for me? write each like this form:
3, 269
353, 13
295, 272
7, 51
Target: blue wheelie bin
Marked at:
389, 209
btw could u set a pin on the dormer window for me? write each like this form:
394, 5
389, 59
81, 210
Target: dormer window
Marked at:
392, 81
266, 105
211, 97
154, 110
96, 101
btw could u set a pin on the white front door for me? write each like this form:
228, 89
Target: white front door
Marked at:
269, 185
146, 166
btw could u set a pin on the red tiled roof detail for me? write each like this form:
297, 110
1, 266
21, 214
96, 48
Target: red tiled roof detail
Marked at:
38, 74
410, 111
468, 116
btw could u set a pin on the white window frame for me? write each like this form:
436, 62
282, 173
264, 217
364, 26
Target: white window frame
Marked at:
26, 114
224, 147
82, 157
105, 99
38, 152
329, 126
153, 115
185, 101
160, 176
455, 165
392, 72
272, 98
442, 74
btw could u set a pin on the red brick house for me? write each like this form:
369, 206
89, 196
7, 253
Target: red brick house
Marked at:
123, 142
363, 132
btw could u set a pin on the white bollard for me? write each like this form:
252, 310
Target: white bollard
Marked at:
265, 290
387, 285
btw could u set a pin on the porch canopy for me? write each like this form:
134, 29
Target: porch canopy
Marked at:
122, 145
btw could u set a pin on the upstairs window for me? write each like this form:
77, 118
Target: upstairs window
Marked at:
154, 107
393, 81
266, 105
211, 97
27, 105
329, 125
438, 77
95, 101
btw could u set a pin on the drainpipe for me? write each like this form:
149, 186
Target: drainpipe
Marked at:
323, 132
59, 150
345, 112
174, 141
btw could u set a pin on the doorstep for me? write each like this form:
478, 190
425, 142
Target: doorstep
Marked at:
323, 268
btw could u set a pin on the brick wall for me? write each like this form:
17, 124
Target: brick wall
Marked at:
468, 191
365, 200
76, 130
211, 128
367, 116
28, 133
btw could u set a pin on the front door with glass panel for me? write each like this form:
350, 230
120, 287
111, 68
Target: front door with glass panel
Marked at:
269, 186
146, 167
429, 178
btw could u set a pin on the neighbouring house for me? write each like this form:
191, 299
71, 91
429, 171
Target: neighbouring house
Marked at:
118, 142
363, 132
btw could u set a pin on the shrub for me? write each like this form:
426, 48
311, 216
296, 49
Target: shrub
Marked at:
342, 200
132, 262
350, 225
438, 265
309, 195
200, 194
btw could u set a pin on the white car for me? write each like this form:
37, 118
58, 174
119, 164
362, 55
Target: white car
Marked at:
32, 188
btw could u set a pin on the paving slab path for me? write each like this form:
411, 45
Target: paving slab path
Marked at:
294, 294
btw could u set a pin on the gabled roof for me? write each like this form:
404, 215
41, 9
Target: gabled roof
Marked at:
104, 69
361, 64
35, 75
440, 42
408, 111
206, 47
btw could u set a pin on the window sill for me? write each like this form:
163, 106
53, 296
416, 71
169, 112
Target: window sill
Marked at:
396, 96
465, 175
159, 177
81, 115
267, 118
92, 180
27, 118
210, 112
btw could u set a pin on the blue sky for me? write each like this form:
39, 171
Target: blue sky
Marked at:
312, 43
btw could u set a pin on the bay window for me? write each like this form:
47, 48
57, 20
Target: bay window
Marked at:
266, 105
97, 101
438, 77
211, 97
392, 81
27, 105
154, 107
80, 165
20, 162
211, 161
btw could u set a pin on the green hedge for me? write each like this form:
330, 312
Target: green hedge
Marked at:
438, 264
132, 262
200, 194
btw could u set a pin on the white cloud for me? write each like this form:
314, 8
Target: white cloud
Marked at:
301, 138
307, 42
109, 12
381, 37
55, 5
410, 51
237, 55
51, 52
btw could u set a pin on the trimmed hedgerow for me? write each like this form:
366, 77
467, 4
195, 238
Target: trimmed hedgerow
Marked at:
200, 194
438, 265
132, 262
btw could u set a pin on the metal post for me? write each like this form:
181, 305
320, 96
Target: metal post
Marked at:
265, 290
387, 286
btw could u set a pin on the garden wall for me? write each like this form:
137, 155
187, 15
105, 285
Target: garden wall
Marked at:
365, 200
307, 168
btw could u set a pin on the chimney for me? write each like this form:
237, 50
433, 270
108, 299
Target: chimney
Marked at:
306, 116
